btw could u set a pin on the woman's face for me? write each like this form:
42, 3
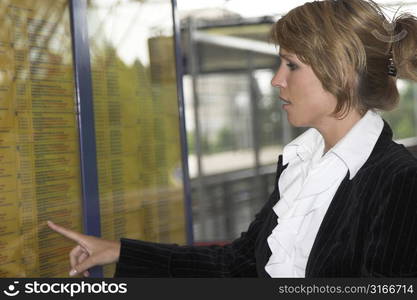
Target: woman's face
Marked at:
309, 104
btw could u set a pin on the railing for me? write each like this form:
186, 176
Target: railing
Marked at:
233, 200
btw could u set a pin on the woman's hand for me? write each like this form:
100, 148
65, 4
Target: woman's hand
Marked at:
90, 251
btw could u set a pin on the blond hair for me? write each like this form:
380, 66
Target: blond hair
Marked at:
348, 44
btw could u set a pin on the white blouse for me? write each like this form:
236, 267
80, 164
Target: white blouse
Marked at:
307, 187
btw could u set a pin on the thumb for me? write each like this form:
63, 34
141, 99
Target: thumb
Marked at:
84, 266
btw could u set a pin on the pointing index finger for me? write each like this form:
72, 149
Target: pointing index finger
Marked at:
75, 236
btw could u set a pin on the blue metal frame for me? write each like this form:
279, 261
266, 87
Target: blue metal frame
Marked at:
183, 132
84, 92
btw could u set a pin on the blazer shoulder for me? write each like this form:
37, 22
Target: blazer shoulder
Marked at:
396, 159
405, 161
399, 172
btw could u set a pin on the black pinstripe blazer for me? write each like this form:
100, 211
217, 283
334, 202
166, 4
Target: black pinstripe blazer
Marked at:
370, 229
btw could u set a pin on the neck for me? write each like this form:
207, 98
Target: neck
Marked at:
333, 129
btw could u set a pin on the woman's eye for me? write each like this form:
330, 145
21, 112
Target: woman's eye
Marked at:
292, 66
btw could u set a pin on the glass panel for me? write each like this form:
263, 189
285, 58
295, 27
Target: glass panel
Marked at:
136, 120
235, 124
39, 158
234, 120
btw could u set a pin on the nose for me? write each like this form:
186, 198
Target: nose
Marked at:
279, 78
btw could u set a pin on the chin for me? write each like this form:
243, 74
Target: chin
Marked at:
299, 120
296, 123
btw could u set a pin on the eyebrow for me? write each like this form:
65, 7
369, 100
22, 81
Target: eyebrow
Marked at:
285, 55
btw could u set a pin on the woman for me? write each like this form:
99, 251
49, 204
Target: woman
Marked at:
345, 198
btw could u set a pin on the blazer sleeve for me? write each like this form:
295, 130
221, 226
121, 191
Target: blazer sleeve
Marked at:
392, 248
237, 259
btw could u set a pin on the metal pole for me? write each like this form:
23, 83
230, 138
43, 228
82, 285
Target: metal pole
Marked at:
193, 71
183, 132
84, 92
256, 134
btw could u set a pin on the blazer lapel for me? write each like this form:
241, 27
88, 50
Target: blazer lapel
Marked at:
325, 238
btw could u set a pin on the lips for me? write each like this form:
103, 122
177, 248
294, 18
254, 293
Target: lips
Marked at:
285, 101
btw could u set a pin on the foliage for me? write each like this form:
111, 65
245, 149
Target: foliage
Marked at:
402, 119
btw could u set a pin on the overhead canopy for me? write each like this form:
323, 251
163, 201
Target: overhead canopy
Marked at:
230, 47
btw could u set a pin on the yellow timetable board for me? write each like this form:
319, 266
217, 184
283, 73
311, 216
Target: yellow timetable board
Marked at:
39, 159
137, 137
137, 125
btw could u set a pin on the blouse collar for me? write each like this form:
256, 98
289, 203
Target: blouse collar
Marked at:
353, 149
